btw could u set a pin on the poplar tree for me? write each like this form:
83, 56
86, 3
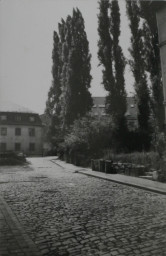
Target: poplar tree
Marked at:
53, 102
137, 64
77, 100
69, 97
105, 53
153, 63
65, 33
55, 89
112, 59
119, 63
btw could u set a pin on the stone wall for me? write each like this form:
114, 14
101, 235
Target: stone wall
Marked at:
110, 167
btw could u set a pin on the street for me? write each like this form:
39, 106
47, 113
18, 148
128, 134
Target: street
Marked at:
67, 213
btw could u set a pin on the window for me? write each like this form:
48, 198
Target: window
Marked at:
18, 131
2, 146
18, 118
17, 146
32, 118
31, 131
31, 146
3, 131
3, 118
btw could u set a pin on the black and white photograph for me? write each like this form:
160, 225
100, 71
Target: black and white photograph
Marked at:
82, 128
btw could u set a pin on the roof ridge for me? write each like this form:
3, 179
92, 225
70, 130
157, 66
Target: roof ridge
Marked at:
6, 106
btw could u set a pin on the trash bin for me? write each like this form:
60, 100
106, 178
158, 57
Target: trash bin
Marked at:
101, 165
109, 168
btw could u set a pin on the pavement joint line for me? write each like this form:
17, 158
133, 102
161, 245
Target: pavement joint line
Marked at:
17, 230
80, 170
54, 162
64, 168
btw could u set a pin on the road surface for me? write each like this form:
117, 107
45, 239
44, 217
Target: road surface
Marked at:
66, 213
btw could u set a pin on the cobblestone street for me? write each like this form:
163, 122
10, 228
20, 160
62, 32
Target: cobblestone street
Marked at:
66, 213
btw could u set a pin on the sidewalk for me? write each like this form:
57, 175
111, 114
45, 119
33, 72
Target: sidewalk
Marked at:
141, 183
13, 239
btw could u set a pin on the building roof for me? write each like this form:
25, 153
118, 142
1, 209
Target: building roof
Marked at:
13, 114
12, 107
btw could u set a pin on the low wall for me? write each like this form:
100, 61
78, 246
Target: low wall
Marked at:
110, 167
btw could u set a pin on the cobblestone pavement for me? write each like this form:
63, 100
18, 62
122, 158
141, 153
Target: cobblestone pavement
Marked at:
13, 239
66, 213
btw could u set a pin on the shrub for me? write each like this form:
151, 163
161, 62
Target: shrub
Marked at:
87, 137
11, 158
160, 144
150, 159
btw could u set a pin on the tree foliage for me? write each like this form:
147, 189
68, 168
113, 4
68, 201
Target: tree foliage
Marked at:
88, 136
69, 97
76, 78
112, 59
53, 102
137, 64
153, 63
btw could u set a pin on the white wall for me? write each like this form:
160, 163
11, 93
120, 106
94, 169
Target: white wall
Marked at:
10, 139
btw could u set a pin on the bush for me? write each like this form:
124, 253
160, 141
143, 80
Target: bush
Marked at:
149, 159
160, 144
86, 139
12, 158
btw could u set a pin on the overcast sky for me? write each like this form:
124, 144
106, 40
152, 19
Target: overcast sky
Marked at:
26, 42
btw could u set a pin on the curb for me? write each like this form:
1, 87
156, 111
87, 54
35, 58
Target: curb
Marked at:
125, 183
24, 241
151, 189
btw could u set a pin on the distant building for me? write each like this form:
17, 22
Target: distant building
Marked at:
98, 110
20, 130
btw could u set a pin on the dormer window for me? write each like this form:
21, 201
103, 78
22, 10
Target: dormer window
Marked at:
3, 118
18, 118
31, 118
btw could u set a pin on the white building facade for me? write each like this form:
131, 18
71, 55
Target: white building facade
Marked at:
20, 130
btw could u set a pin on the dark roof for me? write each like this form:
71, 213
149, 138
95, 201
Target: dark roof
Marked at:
18, 115
15, 118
